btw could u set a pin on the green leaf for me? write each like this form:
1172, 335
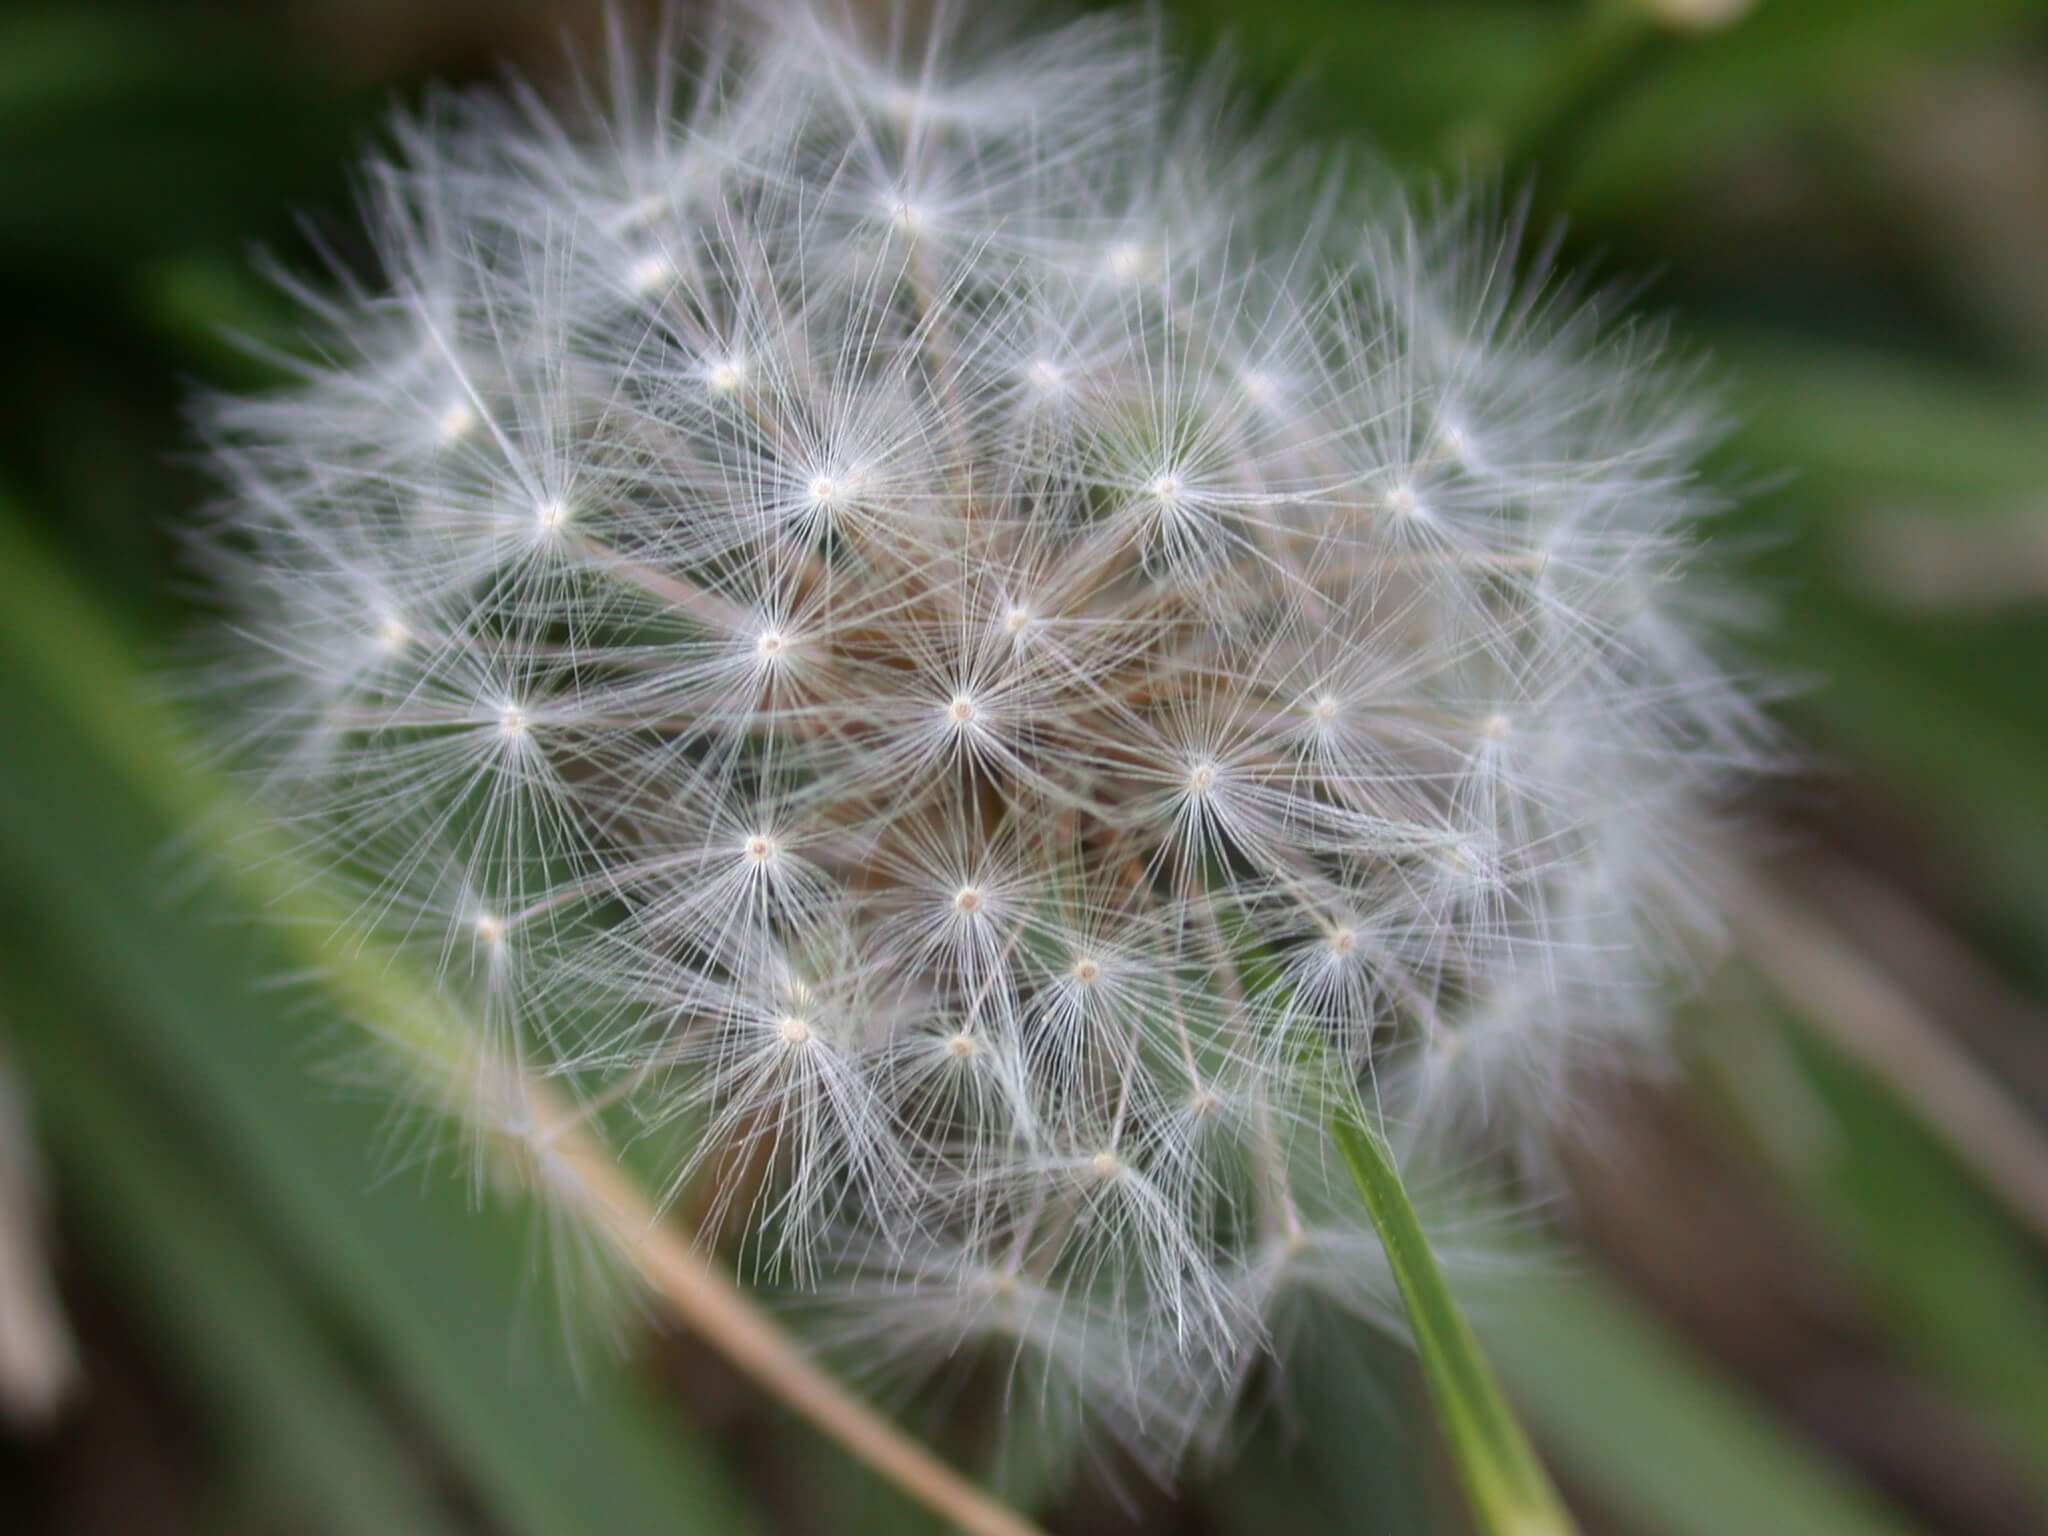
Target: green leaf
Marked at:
98, 787
166, 1229
1656, 1433
1791, 61
1345, 1443
1510, 1492
1932, 1251
1855, 422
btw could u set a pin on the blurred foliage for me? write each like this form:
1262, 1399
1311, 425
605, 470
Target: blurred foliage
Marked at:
1824, 1323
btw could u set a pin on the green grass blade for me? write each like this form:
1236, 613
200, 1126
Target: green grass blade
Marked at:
1656, 1433
96, 786
274, 1381
1511, 1494
1933, 1252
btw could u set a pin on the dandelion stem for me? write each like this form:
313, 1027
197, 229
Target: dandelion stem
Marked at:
1510, 1493
714, 1308
707, 608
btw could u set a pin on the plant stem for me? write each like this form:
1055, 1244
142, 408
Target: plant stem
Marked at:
720, 1313
1510, 1493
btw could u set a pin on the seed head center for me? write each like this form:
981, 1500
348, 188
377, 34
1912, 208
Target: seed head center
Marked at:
456, 421
649, 273
1127, 259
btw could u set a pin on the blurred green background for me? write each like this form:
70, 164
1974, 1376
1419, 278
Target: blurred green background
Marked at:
1810, 1290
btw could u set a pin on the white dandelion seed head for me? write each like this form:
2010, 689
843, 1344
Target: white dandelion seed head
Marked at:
941, 639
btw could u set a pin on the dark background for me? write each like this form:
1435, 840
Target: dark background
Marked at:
1812, 1297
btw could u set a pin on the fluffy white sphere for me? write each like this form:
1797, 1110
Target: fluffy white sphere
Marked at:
937, 614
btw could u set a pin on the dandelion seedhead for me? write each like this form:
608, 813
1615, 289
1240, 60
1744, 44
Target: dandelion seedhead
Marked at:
928, 612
